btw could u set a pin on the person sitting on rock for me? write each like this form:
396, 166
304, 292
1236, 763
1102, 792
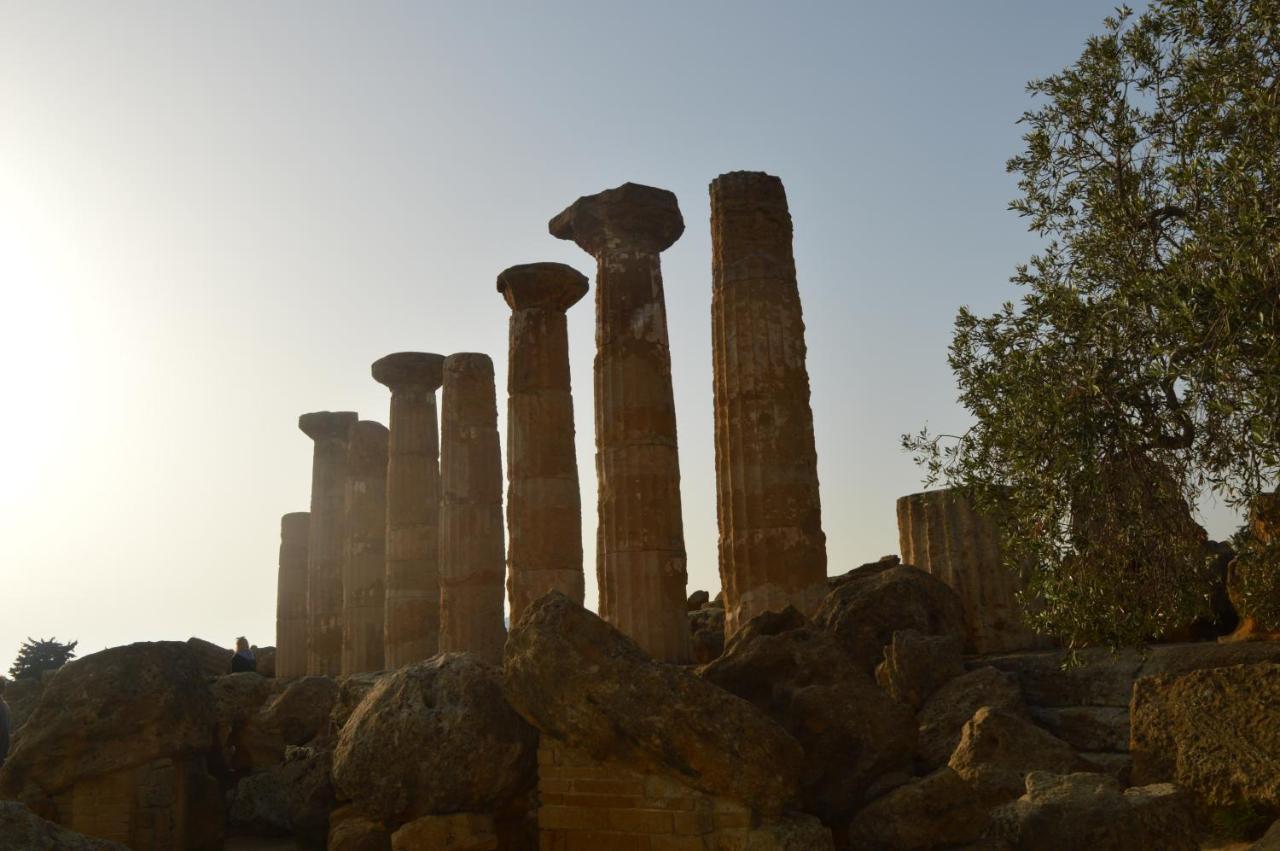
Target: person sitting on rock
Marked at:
244, 659
4, 723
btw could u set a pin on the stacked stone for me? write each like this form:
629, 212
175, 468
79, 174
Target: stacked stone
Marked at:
640, 558
291, 597
412, 625
471, 535
544, 506
364, 565
325, 538
941, 532
773, 553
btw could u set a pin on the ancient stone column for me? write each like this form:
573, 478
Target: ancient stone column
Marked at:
773, 553
365, 554
940, 532
291, 597
412, 627
544, 506
640, 558
471, 545
325, 538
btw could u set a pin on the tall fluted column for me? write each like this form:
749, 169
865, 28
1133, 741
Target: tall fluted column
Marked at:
365, 560
412, 627
544, 506
291, 597
325, 538
471, 546
640, 559
940, 532
773, 553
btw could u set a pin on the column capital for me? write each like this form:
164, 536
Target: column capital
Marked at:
630, 217
553, 286
367, 450
319, 425
749, 189
402, 370
469, 363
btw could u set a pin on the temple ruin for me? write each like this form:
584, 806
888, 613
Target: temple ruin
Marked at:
291, 596
773, 553
640, 553
472, 564
364, 549
326, 537
412, 619
544, 505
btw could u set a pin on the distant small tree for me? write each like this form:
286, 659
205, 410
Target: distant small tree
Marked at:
37, 656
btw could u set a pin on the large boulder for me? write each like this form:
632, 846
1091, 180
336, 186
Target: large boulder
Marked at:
1074, 811
1215, 732
259, 717
22, 696
579, 680
852, 733
352, 690
434, 738
869, 604
945, 713
937, 811
998, 750
118, 747
456, 832
23, 830
706, 627
915, 665
213, 660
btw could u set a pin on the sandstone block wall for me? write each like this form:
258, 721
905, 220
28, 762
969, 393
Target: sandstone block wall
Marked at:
587, 805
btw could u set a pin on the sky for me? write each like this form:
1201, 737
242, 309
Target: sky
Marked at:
214, 217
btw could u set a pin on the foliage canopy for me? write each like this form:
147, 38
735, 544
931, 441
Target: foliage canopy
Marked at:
37, 656
1141, 367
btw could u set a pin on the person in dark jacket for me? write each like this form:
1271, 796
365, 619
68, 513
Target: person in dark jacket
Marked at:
4, 723
244, 659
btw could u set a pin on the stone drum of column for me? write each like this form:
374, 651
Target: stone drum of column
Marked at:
365, 560
773, 553
640, 558
544, 506
325, 538
942, 533
291, 597
412, 628
471, 547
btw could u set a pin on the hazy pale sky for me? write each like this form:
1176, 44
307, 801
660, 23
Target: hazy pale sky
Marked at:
213, 218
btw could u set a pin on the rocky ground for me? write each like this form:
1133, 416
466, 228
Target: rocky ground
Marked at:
863, 727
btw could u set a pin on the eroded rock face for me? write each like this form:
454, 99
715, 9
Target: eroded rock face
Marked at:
455, 832
1214, 732
116, 748
23, 830
706, 627
997, 750
851, 731
1074, 811
868, 605
435, 737
915, 666
581, 681
937, 811
944, 714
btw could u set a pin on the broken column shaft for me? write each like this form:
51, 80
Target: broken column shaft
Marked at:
291, 597
471, 545
412, 627
325, 538
364, 565
640, 558
773, 553
544, 506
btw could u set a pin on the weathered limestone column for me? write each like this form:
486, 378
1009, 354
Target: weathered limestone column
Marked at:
940, 532
291, 597
544, 506
412, 628
325, 538
471, 546
773, 553
365, 554
640, 558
